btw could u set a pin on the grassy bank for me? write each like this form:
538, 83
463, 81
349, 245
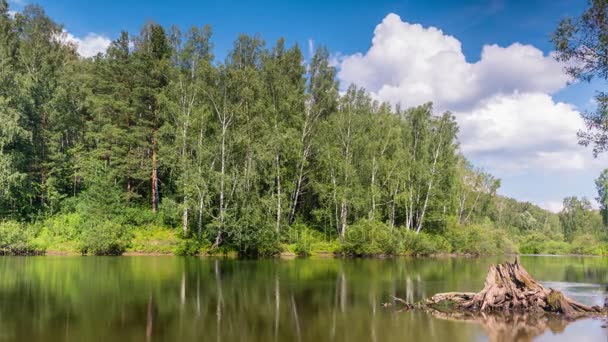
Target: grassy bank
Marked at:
136, 234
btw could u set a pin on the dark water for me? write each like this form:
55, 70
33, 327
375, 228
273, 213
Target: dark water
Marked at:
193, 299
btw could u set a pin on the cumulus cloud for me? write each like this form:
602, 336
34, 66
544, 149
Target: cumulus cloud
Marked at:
90, 45
502, 102
410, 64
521, 131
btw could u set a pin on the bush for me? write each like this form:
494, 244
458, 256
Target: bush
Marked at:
188, 247
479, 240
60, 233
137, 216
533, 243
252, 241
303, 247
367, 237
155, 240
555, 248
306, 241
105, 238
169, 213
586, 244
16, 239
425, 244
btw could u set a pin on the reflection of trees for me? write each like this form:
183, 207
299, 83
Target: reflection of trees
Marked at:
170, 298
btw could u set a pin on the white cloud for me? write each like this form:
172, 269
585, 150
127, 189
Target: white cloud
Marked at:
522, 131
553, 206
502, 102
90, 45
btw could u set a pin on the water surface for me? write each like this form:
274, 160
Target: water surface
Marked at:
193, 299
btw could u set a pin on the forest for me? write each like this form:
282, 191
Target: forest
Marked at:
155, 146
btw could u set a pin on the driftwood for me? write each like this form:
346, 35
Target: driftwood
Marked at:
508, 288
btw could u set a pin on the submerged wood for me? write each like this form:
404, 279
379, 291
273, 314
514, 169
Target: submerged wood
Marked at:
509, 288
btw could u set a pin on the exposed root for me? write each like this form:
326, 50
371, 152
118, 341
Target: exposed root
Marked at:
509, 288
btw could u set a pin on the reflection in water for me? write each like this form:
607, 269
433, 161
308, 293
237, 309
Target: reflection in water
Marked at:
518, 327
191, 299
149, 320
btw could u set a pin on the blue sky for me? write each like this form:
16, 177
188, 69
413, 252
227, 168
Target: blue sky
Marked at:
535, 166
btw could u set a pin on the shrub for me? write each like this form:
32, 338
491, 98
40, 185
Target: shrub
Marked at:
331, 246
533, 243
16, 239
425, 244
188, 247
367, 237
303, 247
61, 232
104, 238
306, 241
603, 248
137, 216
170, 213
155, 240
586, 244
555, 247
252, 241
479, 240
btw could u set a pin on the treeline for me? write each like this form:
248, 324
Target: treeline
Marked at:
249, 154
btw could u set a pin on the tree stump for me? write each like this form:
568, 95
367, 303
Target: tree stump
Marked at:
510, 288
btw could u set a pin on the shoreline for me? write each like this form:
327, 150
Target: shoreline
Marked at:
321, 255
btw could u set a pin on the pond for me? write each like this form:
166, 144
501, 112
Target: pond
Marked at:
191, 299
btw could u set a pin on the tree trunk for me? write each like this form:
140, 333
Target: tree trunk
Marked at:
373, 190
154, 166
218, 237
296, 194
343, 214
278, 179
185, 216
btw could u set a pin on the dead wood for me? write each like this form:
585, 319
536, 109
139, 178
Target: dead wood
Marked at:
509, 288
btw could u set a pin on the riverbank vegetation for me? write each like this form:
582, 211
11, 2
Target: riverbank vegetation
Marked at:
156, 146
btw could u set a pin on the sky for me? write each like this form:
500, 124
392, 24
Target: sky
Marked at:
489, 62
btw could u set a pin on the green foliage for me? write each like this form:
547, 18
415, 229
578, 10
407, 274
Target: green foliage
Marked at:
425, 244
578, 217
16, 239
188, 247
586, 244
99, 153
60, 233
304, 239
555, 248
479, 240
577, 42
601, 184
367, 237
154, 239
533, 243
104, 238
